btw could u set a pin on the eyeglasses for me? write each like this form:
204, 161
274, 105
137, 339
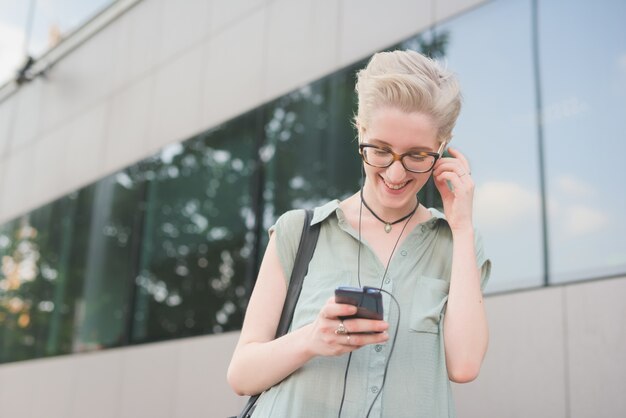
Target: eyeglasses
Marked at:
414, 161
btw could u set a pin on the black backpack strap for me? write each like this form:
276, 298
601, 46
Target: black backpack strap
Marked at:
308, 241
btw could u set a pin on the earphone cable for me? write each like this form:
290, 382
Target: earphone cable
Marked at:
345, 380
393, 343
358, 274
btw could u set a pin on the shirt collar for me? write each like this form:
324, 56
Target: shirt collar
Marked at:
322, 212
436, 215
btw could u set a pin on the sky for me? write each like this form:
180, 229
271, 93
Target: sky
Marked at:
67, 15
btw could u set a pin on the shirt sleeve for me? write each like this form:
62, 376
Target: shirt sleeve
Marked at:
484, 263
288, 230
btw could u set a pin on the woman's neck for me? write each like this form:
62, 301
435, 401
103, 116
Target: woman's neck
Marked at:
352, 209
388, 214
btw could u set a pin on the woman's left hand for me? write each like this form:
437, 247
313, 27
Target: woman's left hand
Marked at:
457, 203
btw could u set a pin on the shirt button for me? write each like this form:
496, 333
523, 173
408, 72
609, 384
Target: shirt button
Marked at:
378, 348
387, 281
374, 389
423, 228
403, 252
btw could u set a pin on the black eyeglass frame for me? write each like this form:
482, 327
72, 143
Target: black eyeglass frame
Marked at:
400, 157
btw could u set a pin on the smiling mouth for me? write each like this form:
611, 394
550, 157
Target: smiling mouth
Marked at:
395, 186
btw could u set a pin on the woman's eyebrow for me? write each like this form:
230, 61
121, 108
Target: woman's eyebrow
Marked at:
377, 141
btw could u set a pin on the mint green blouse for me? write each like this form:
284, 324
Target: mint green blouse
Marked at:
417, 383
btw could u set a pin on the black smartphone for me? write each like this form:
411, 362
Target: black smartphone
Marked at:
368, 300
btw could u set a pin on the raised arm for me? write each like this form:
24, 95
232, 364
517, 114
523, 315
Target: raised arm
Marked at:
466, 333
465, 330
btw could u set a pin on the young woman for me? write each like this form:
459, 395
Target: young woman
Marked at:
432, 264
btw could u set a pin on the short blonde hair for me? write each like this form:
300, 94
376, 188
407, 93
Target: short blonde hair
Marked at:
410, 82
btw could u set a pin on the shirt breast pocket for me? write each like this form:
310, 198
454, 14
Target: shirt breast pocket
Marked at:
429, 299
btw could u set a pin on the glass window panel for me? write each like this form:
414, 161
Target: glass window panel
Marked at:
198, 239
104, 259
34, 279
311, 152
16, 289
60, 291
583, 68
497, 132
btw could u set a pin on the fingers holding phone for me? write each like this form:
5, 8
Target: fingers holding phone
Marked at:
333, 333
368, 318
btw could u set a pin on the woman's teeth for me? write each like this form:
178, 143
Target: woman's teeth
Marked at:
395, 186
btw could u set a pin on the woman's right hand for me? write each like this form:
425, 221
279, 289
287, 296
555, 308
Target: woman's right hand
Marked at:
261, 361
324, 341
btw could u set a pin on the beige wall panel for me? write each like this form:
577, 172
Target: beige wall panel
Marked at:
177, 99
48, 165
20, 175
52, 388
59, 95
448, 8
16, 396
524, 372
27, 116
128, 119
97, 387
85, 148
82, 78
149, 380
202, 389
370, 25
234, 72
596, 324
7, 116
225, 13
138, 39
301, 43
185, 24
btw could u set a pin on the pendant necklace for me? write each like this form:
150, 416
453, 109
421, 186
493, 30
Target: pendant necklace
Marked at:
389, 224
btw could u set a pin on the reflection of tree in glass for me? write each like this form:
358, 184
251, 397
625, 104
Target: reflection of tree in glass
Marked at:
432, 43
198, 235
27, 279
309, 153
73, 257
19, 267
107, 221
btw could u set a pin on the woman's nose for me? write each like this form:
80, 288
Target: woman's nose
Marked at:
396, 172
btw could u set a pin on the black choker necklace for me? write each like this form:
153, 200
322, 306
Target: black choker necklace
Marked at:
389, 224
